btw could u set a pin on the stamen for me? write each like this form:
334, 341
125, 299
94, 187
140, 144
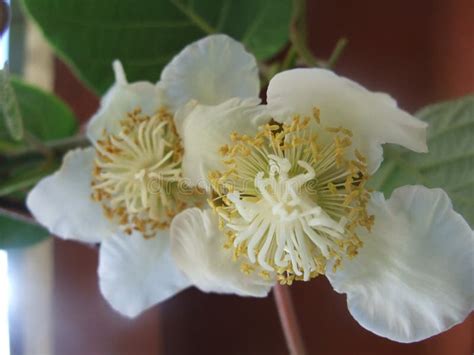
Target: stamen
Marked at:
289, 203
137, 173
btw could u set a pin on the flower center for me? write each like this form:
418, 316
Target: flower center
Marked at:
289, 203
137, 173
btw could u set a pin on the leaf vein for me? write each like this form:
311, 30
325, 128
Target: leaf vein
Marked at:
117, 26
446, 161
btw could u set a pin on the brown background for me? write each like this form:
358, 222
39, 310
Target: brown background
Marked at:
420, 52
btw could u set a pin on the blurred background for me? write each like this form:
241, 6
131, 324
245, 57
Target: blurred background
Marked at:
418, 51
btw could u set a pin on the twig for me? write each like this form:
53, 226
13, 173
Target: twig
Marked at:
56, 146
337, 51
18, 216
288, 320
298, 34
19, 185
38, 145
289, 58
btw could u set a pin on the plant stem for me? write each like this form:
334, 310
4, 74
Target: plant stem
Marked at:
22, 184
38, 145
298, 34
336, 53
56, 146
288, 319
289, 58
18, 216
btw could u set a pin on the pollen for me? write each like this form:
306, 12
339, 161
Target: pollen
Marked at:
290, 203
137, 173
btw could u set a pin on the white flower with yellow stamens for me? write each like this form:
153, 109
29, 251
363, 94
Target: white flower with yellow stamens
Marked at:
290, 198
294, 203
124, 191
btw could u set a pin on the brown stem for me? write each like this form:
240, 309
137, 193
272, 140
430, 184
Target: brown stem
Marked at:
18, 216
298, 33
59, 146
288, 320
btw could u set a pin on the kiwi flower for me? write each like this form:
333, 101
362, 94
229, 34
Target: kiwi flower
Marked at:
124, 190
289, 200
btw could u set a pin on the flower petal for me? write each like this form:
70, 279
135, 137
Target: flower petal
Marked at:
136, 273
206, 128
121, 99
197, 246
374, 118
62, 201
413, 278
211, 70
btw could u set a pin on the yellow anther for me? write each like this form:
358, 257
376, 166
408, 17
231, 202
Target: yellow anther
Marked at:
224, 150
234, 136
348, 184
337, 188
316, 114
332, 188
130, 165
246, 268
346, 131
360, 157
333, 129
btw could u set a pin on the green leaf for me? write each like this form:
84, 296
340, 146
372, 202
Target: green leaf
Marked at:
19, 234
9, 107
449, 163
145, 35
44, 116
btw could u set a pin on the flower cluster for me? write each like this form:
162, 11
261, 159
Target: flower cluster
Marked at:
193, 181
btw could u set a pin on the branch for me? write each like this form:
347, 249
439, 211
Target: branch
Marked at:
288, 319
58, 146
18, 216
336, 53
298, 34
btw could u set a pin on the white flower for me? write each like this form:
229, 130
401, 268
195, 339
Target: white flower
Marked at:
291, 200
124, 191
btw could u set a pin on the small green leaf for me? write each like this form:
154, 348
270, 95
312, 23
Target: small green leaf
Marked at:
449, 163
9, 107
145, 35
44, 116
19, 234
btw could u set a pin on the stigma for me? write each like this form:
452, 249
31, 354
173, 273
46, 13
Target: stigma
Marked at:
290, 201
137, 173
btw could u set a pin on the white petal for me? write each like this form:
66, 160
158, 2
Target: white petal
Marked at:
206, 128
413, 278
197, 246
62, 201
136, 273
374, 118
121, 99
211, 70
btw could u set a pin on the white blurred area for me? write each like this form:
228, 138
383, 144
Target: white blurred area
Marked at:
4, 282
27, 287
4, 46
4, 296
